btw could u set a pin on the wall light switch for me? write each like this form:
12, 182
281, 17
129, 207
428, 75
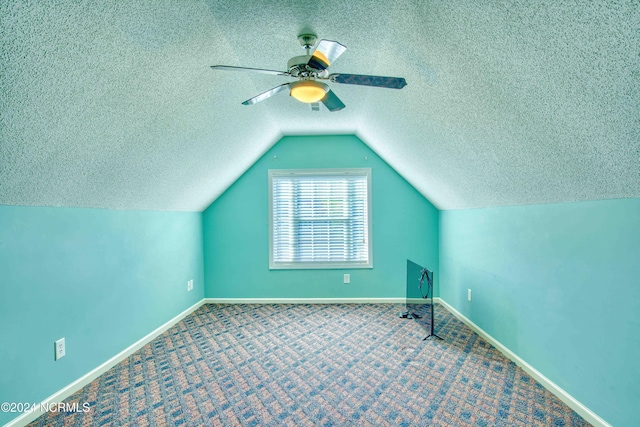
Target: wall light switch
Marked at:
469, 294
347, 278
60, 348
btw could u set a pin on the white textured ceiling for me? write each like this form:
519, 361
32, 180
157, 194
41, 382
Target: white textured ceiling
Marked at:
112, 104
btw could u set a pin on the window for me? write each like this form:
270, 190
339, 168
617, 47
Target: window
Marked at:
320, 218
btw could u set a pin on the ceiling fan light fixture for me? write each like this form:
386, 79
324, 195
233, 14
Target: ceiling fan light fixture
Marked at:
308, 91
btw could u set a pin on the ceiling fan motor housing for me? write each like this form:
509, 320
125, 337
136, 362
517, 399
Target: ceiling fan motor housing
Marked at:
301, 66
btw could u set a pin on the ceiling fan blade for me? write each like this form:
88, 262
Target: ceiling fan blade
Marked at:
255, 70
325, 53
332, 102
267, 94
364, 80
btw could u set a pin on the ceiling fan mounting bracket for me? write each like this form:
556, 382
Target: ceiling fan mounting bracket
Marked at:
307, 41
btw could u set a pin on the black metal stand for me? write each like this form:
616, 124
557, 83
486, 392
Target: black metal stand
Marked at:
431, 334
430, 288
409, 315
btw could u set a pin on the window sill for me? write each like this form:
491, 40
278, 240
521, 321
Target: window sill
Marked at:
319, 266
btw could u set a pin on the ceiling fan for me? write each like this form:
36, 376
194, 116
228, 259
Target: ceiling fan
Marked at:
310, 69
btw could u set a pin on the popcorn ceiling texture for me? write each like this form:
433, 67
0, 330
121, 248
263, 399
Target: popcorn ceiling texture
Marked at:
113, 104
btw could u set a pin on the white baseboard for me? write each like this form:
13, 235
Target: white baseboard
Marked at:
569, 400
304, 300
67, 391
422, 300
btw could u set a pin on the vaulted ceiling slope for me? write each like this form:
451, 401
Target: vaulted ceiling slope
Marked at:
112, 104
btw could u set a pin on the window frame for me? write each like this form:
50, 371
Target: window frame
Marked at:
321, 265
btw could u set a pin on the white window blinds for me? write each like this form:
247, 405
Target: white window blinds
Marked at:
320, 218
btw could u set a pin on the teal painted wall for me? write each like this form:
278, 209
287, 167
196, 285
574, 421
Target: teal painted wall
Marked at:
101, 279
236, 241
559, 285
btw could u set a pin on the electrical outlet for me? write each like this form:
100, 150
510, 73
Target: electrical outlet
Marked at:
59, 349
469, 294
190, 285
347, 278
